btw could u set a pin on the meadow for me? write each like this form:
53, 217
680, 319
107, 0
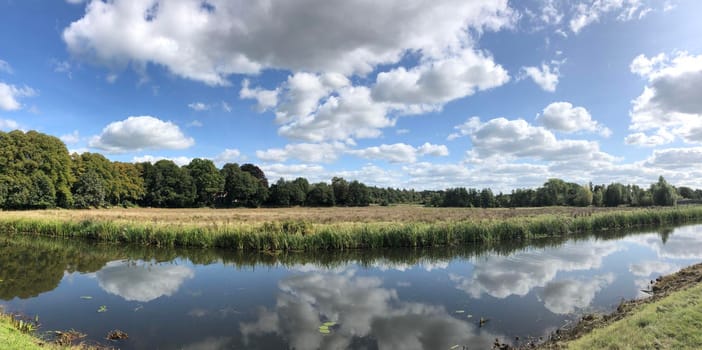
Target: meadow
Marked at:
332, 228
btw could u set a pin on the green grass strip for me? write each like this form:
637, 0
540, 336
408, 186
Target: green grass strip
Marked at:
302, 235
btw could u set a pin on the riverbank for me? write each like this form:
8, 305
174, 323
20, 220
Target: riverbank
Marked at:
332, 228
670, 319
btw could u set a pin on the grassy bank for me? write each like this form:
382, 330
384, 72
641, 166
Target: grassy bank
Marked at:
670, 319
276, 229
12, 338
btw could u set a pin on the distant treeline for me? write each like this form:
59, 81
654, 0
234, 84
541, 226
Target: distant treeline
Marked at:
36, 171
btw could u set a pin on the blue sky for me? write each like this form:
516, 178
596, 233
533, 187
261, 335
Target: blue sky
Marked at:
414, 94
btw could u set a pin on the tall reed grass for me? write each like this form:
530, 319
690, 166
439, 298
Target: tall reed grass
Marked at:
303, 235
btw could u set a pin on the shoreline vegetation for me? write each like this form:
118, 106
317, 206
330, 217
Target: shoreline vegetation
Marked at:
669, 319
327, 229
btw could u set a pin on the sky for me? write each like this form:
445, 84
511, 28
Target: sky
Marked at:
423, 94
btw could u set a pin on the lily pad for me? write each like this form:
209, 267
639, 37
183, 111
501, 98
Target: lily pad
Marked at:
329, 324
454, 347
324, 330
102, 308
460, 311
86, 297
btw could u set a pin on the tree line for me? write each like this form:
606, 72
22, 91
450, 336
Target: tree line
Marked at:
37, 172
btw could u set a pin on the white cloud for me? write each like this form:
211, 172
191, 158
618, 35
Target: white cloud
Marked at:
266, 99
591, 11
505, 138
545, 77
435, 82
75, 1
563, 116
208, 43
5, 67
8, 124
349, 114
400, 152
142, 282
312, 172
71, 138
395, 153
669, 106
228, 156
199, 106
305, 152
9, 95
138, 133
180, 161
676, 158
661, 137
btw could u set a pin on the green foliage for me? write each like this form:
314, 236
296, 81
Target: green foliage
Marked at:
89, 191
320, 195
663, 193
167, 185
207, 180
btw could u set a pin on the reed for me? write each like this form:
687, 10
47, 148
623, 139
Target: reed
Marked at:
301, 234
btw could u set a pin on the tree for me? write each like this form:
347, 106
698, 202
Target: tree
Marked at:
320, 195
663, 193
341, 190
583, 196
207, 179
89, 190
241, 188
487, 199
167, 185
614, 195
358, 194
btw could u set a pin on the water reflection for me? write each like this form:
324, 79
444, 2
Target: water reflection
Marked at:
142, 281
683, 243
565, 296
364, 309
518, 274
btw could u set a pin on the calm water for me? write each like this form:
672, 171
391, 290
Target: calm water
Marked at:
391, 299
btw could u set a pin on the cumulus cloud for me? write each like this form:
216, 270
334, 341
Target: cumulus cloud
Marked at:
563, 116
400, 152
228, 156
505, 138
142, 282
8, 124
138, 133
545, 76
305, 152
669, 106
230, 37
266, 99
71, 138
438, 81
9, 95
312, 172
676, 158
180, 161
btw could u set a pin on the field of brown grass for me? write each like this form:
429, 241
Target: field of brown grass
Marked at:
207, 216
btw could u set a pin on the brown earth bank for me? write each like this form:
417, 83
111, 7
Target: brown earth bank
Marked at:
659, 289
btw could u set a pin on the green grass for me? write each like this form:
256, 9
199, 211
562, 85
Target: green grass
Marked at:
673, 322
303, 235
12, 338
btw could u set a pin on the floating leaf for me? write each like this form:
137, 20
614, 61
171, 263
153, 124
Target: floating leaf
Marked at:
460, 311
324, 331
454, 347
329, 324
469, 316
102, 308
86, 297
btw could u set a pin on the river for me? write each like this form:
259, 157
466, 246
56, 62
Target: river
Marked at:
387, 299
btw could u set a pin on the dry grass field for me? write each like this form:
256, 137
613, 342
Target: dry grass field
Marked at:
336, 215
